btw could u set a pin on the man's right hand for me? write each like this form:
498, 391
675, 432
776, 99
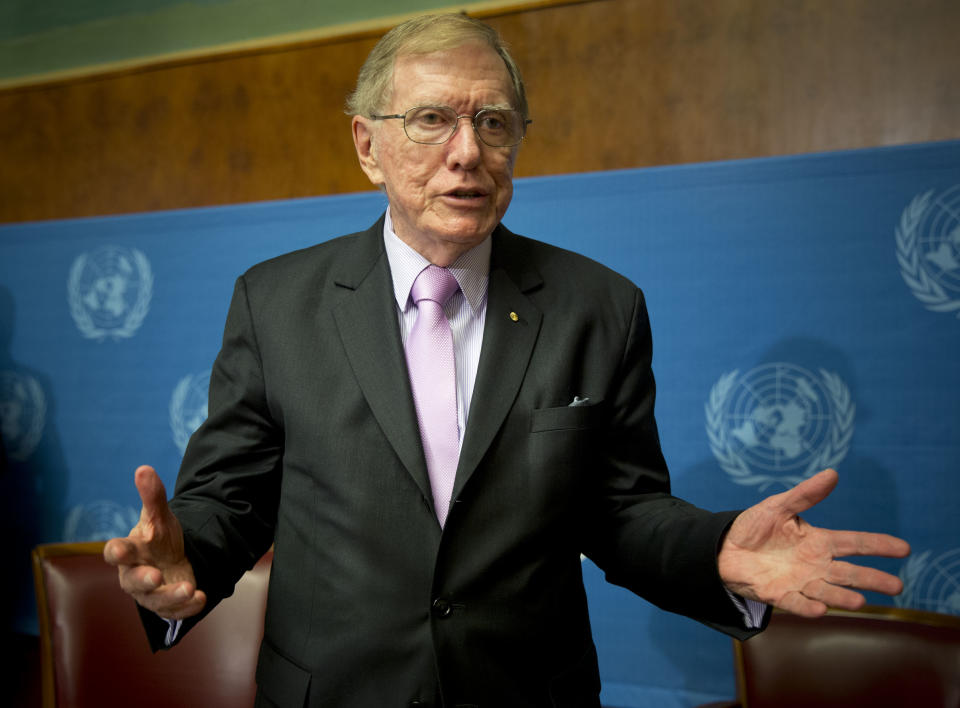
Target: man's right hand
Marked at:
152, 565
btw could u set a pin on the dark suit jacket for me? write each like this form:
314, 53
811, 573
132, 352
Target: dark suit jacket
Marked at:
311, 443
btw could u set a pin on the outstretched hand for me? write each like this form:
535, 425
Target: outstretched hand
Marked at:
772, 555
152, 565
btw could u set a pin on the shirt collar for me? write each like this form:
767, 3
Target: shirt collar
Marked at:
471, 269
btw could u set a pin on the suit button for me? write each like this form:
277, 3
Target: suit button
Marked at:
442, 608
417, 704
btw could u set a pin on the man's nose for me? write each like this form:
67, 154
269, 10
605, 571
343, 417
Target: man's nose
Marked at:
464, 144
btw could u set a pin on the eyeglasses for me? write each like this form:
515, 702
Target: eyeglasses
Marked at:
435, 125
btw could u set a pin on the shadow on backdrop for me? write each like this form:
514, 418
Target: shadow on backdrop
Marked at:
33, 473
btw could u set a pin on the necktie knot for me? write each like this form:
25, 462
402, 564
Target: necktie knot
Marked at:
434, 283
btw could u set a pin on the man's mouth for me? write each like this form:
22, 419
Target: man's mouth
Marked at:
466, 194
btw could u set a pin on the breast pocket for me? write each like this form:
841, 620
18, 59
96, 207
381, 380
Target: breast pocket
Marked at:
583, 417
563, 448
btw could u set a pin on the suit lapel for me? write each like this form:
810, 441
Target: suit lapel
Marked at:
367, 311
510, 333
367, 321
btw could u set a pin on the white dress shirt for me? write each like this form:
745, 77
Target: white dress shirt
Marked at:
466, 309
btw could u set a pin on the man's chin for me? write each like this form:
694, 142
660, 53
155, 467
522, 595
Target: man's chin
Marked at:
442, 248
464, 230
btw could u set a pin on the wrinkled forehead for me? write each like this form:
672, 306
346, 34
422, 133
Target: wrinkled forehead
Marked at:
471, 72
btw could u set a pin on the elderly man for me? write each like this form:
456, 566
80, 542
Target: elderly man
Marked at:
432, 419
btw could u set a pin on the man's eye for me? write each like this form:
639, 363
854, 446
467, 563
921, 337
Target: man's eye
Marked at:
492, 121
430, 118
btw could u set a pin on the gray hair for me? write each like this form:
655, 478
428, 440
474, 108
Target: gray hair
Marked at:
423, 35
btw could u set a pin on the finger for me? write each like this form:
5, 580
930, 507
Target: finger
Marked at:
857, 576
122, 551
799, 604
139, 579
153, 494
809, 492
834, 595
175, 601
862, 543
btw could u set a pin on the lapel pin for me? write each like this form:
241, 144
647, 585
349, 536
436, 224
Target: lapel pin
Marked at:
514, 316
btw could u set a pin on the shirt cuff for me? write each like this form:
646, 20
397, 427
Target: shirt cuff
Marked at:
173, 629
752, 610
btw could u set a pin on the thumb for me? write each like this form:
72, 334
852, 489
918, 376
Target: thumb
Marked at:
810, 492
153, 495
140, 547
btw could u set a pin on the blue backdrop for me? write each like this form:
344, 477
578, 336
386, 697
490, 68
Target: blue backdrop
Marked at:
804, 309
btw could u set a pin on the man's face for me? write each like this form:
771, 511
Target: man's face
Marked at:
444, 199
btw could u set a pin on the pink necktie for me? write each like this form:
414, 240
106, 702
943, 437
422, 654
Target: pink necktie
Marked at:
432, 370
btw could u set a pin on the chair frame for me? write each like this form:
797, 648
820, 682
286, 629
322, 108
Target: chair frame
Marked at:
873, 612
38, 555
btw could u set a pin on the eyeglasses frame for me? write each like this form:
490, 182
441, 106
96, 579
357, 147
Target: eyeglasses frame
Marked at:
473, 122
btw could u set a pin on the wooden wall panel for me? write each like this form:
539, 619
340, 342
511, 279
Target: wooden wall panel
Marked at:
612, 83
246, 128
669, 81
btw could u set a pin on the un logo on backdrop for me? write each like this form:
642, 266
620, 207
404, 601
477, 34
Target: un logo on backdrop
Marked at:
99, 521
188, 407
931, 584
109, 291
778, 424
928, 249
23, 411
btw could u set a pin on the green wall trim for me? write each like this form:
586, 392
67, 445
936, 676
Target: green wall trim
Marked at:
101, 34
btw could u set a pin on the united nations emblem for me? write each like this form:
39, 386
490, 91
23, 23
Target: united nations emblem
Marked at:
928, 249
778, 424
931, 584
98, 521
23, 411
109, 291
188, 407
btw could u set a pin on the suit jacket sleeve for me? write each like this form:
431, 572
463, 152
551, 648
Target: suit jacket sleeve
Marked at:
645, 539
227, 491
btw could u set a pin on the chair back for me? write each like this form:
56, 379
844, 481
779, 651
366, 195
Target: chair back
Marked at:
877, 656
94, 650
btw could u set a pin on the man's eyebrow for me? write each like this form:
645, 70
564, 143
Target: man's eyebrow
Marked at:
483, 107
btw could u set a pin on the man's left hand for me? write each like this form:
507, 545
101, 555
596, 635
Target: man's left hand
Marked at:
772, 555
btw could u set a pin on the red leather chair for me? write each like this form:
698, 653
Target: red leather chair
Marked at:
94, 651
878, 656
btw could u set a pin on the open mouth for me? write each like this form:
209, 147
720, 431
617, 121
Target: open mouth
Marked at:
466, 194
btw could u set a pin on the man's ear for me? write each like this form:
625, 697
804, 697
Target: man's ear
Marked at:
363, 135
